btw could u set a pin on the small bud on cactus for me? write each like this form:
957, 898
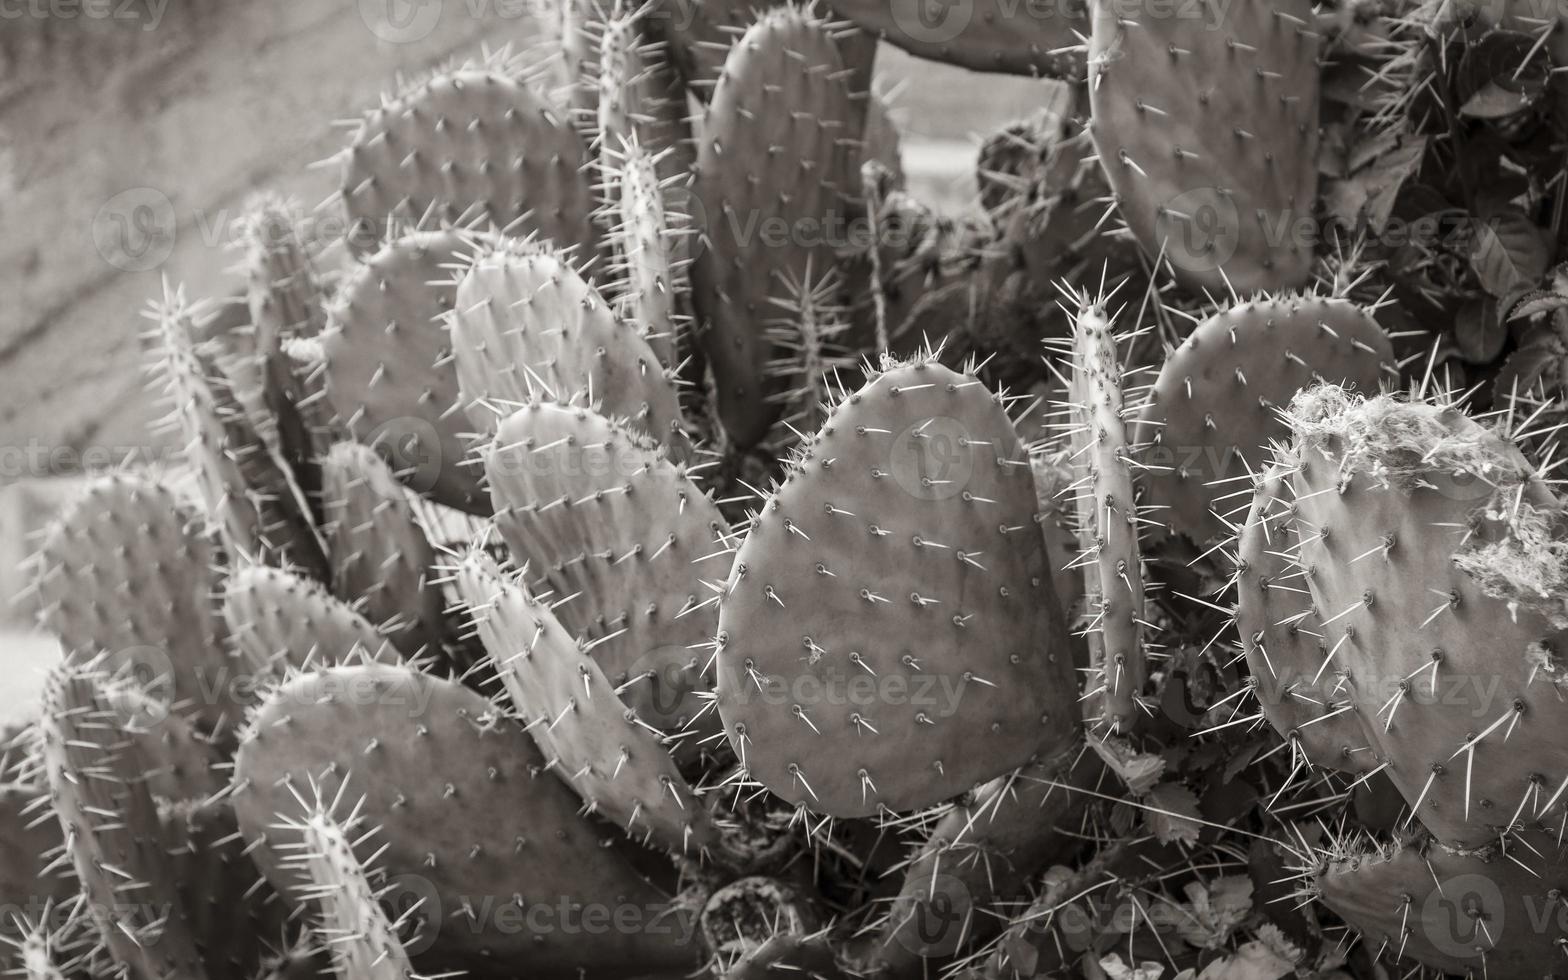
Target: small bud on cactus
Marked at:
900, 555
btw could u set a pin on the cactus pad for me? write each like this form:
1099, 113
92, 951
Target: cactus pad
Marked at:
1206, 121
605, 519
1216, 404
889, 636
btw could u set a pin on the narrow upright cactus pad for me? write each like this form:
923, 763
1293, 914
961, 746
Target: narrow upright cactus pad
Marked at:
287, 302
1216, 404
388, 365
435, 763
365, 942
381, 560
528, 327
1206, 121
282, 621
614, 762
640, 98
473, 144
1108, 524
767, 211
1491, 913
128, 572
889, 636
626, 539
116, 843
1283, 640
988, 35
1428, 542
253, 499
648, 247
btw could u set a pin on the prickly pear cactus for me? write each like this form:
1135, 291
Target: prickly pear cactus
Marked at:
387, 364
1429, 547
1284, 642
612, 758
760, 208
631, 546
1108, 521
528, 326
900, 560
381, 559
476, 144
1491, 912
98, 788
260, 510
433, 762
1216, 404
128, 572
367, 943
1206, 122
650, 247
281, 621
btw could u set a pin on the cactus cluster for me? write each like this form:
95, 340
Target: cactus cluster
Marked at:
606, 573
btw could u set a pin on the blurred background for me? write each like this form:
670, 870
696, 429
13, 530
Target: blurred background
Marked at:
132, 134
